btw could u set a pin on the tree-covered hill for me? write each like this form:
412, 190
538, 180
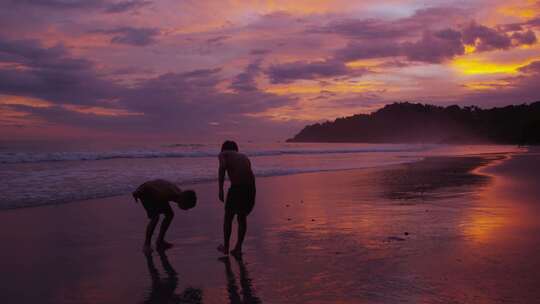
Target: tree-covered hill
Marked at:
422, 123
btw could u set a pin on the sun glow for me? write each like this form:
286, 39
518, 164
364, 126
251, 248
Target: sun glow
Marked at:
469, 66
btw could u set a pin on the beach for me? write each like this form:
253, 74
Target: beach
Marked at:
440, 230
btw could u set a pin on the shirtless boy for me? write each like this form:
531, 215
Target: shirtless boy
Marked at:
155, 196
240, 197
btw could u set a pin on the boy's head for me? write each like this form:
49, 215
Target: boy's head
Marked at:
229, 145
186, 200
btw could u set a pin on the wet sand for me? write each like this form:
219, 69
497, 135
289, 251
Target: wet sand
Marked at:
443, 230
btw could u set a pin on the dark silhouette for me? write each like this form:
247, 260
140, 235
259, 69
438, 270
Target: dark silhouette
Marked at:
155, 196
241, 194
419, 123
247, 295
162, 289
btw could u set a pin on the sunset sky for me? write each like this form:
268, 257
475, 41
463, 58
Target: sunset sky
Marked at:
203, 70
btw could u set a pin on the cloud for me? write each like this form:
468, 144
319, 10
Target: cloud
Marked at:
534, 22
106, 6
288, 72
532, 68
77, 96
362, 50
485, 38
365, 29
125, 6
437, 46
245, 81
434, 18
515, 90
61, 4
50, 73
131, 36
524, 38
434, 47
259, 52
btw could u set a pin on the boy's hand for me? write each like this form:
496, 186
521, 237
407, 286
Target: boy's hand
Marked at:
221, 195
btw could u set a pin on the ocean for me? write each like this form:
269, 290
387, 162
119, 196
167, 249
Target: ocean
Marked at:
38, 175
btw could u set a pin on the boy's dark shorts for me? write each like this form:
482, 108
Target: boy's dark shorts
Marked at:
155, 207
240, 199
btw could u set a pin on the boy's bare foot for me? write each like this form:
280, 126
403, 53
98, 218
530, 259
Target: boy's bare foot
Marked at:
237, 253
163, 245
223, 250
147, 249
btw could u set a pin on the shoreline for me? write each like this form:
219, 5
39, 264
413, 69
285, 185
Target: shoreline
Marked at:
209, 181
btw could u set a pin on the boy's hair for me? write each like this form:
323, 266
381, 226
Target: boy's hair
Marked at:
229, 145
189, 199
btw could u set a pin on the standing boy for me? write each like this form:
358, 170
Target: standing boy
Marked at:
240, 197
155, 196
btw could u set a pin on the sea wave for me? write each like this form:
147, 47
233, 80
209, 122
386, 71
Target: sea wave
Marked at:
53, 190
32, 157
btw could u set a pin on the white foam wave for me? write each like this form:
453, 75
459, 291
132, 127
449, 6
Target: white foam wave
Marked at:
32, 157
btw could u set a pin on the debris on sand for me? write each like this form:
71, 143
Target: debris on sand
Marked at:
395, 238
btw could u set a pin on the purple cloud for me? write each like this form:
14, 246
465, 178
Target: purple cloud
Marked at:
130, 35
485, 38
125, 6
532, 68
106, 6
434, 47
527, 38
362, 50
171, 102
50, 73
61, 4
245, 81
288, 72
421, 20
365, 29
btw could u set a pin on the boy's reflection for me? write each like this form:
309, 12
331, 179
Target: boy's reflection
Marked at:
247, 294
162, 289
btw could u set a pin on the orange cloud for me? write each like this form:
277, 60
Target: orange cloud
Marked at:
312, 87
488, 85
25, 101
100, 111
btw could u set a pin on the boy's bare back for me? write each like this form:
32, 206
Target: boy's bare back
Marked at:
237, 166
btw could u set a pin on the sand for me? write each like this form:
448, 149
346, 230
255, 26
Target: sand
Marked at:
443, 230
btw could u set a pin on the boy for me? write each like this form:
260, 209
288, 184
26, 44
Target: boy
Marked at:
240, 197
155, 196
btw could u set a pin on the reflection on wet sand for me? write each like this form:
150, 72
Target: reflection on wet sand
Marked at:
425, 179
492, 212
246, 295
163, 289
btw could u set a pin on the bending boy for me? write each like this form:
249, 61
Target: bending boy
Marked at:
155, 196
240, 197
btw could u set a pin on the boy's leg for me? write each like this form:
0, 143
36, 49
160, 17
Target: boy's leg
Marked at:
150, 231
227, 228
163, 229
242, 228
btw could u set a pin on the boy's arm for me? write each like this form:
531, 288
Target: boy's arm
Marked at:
221, 176
137, 193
